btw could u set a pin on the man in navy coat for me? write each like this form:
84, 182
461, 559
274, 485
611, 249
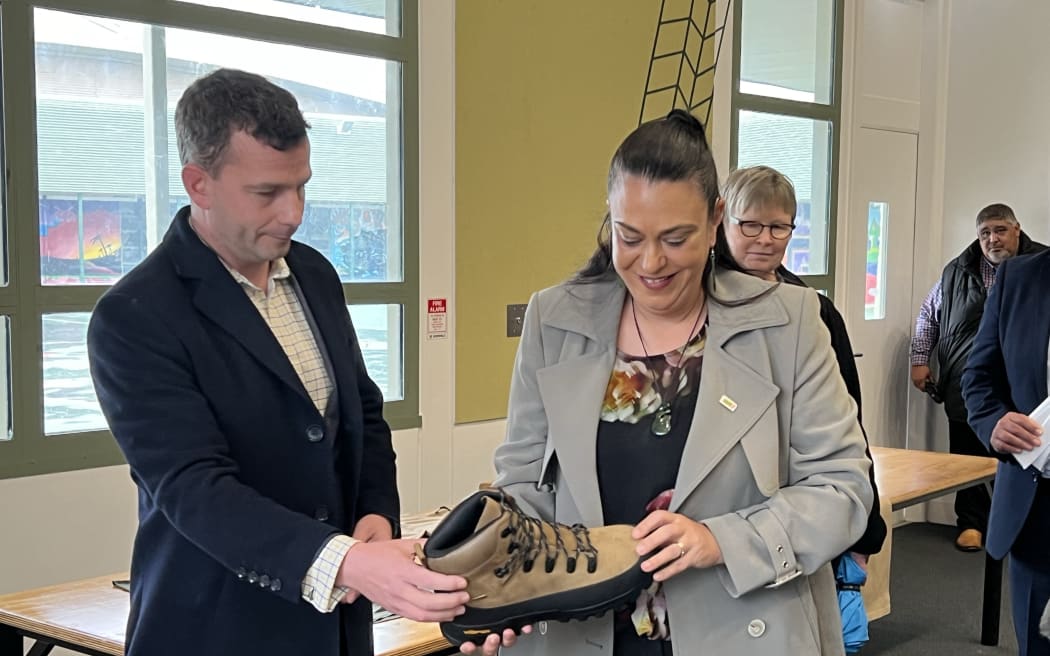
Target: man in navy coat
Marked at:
1005, 379
230, 374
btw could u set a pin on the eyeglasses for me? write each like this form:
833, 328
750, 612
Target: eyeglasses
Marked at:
755, 228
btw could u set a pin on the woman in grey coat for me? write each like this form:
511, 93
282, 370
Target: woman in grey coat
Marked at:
702, 406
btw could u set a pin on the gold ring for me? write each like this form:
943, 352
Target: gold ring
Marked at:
681, 550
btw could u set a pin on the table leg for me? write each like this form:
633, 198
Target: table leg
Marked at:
993, 592
10, 642
41, 649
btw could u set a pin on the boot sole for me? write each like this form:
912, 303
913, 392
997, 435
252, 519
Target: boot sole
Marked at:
473, 626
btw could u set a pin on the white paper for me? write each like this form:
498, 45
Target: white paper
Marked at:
1040, 454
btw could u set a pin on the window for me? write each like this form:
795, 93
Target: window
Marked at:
800, 149
106, 77
785, 104
5, 379
376, 16
875, 262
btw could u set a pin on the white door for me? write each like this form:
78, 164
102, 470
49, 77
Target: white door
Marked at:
877, 296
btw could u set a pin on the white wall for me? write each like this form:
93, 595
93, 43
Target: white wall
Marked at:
887, 86
980, 116
998, 138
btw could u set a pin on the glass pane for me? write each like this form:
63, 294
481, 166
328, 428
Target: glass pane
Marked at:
3, 202
379, 331
875, 265
100, 97
786, 49
375, 16
800, 148
70, 404
5, 378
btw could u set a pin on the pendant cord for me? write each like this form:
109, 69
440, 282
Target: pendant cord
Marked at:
676, 373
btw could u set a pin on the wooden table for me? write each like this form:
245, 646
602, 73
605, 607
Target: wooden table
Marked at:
90, 616
908, 477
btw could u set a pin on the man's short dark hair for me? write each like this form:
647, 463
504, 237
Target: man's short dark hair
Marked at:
227, 100
996, 212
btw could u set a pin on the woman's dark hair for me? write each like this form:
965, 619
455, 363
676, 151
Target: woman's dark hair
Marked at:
668, 149
722, 254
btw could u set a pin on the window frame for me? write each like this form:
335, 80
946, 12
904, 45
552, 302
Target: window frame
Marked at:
831, 112
25, 300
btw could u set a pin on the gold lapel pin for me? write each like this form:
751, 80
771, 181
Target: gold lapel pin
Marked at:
727, 403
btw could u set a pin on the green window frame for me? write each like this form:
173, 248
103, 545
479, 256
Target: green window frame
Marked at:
24, 300
830, 112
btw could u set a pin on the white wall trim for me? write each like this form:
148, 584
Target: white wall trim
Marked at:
843, 228
428, 481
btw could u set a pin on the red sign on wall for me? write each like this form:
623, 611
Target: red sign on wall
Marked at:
437, 318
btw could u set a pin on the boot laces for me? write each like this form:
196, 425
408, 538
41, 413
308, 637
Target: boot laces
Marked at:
529, 541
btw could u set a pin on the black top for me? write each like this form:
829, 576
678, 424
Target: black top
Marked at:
634, 465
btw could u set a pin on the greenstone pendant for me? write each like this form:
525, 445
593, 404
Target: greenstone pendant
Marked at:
662, 420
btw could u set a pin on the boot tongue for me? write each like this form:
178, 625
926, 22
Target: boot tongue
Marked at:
489, 513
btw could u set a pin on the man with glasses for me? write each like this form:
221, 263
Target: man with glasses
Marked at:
945, 330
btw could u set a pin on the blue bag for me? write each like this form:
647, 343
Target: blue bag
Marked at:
848, 578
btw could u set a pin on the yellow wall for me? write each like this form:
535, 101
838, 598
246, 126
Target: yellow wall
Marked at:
545, 91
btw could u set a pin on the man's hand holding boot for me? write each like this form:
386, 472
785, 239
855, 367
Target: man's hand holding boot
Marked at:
386, 573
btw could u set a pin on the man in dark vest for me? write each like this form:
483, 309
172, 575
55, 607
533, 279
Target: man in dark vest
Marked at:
945, 330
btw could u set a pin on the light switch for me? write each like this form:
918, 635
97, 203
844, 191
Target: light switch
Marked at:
515, 319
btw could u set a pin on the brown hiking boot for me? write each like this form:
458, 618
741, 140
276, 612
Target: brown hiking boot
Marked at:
522, 570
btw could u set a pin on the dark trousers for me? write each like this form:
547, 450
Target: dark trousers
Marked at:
1029, 593
972, 504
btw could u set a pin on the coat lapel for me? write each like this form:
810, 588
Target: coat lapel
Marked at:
331, 318
572, 392
573, 388
218, 296
732, 395
1042, 309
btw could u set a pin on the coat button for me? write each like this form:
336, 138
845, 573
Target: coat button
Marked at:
314, 433
275, 585
321, 514
252, 577
264, 581
756, 628
241, 573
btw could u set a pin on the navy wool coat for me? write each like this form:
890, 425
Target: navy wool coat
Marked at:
240, 479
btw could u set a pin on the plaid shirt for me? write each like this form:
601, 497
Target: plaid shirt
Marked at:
282, 310
928, 323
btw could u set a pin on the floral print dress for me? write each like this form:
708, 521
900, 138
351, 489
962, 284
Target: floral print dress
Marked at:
637, 469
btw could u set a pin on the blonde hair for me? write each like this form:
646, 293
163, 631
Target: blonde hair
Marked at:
758, 186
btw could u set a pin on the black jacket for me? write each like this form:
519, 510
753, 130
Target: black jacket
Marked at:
875, 533
240, 483
962, 305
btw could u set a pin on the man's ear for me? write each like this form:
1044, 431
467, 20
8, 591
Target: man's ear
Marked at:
197, 182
